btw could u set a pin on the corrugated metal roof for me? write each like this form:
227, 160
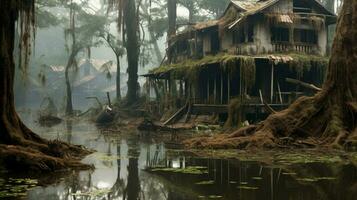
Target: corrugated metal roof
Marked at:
285, 19
253, 6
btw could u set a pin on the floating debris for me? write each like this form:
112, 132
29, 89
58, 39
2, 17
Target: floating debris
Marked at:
245, 187
210, 182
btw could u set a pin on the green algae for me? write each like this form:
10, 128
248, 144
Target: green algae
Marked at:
315, 179
93, 193
297, 158
16, 187
215, 197
257, 178
188, 170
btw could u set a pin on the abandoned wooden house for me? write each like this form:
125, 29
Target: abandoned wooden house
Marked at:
259, 54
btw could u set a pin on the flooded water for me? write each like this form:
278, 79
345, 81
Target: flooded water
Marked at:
129, 167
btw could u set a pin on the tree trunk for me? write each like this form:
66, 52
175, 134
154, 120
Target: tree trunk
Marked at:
118, 89
329, 117
153, 39
132, 49
330, 5
172, 14
20, 148
69, 105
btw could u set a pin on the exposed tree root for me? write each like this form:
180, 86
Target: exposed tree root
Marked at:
21, 149
26, 158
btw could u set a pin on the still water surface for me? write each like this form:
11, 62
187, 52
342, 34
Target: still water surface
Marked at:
138, 168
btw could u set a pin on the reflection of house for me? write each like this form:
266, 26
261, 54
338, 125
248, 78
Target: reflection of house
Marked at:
247, 54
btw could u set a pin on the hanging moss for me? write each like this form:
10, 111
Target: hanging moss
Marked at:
247, 65
303, 63
234, 113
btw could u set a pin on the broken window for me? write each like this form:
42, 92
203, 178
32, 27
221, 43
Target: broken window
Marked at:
305, 36
243, 34
239, 36
301, 6
280, 34
214, 42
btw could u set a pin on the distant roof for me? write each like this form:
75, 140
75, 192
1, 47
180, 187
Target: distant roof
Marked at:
57, 68
97, 64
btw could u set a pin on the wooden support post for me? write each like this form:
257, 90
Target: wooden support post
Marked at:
194, 93
240, 82
221, 87
165, 87
215, 90
280, 97
207, 90
229, 88
261, 96
272, 83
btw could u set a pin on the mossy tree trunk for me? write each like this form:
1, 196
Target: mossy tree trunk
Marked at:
20, 148
132, 49
329, 117
69, 104
172, 15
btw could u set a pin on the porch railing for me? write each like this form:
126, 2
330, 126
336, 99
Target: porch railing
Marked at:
297, 47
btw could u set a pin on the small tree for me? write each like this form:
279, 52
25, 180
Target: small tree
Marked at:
117, 47
83, 36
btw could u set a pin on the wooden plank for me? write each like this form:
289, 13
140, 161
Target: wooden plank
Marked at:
181, 111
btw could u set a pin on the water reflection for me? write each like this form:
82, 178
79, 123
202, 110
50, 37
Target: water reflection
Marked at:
123, 165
